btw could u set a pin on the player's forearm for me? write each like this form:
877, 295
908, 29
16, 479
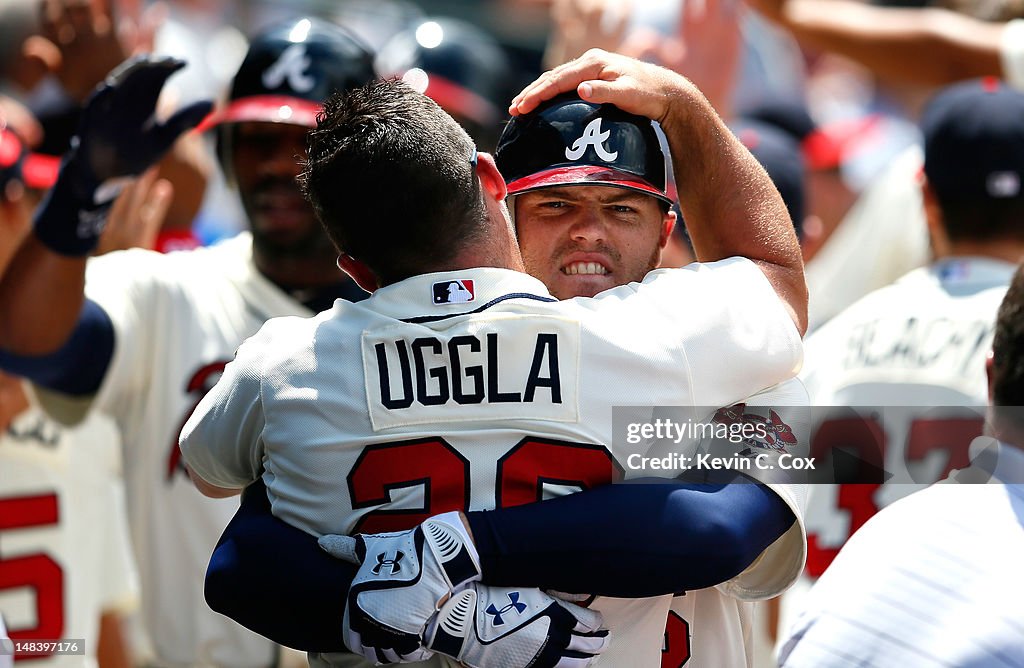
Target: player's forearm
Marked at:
41, 296
630, 541
729, 203
275, 580
930, 46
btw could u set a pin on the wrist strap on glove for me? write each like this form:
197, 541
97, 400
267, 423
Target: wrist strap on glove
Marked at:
69, 221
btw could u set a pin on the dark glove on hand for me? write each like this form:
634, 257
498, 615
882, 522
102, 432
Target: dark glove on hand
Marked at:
118, 137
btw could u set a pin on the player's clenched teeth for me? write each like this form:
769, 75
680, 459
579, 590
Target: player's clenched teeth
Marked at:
575, 268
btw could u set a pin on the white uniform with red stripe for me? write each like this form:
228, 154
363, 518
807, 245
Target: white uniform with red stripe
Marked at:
65, 557
714, 627
912, 348
178, 320
376, 415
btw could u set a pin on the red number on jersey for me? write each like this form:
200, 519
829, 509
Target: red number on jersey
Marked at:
523, 470
430, 464
953, 435
201, 382
866, 437
37, 572
676, 651
443, 475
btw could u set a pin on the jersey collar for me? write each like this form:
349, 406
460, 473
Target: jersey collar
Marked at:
444, 294
973, 271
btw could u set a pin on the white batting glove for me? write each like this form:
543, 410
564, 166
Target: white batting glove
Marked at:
514, 628
404, 577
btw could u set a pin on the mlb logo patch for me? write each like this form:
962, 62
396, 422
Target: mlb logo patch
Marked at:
454, 292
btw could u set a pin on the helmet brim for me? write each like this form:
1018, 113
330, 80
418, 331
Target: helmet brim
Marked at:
265, 109
585, 175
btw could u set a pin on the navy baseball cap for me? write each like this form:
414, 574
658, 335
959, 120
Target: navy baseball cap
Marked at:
825, 147
781, 156
974, 142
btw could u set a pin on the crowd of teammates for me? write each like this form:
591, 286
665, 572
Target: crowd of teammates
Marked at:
154, 332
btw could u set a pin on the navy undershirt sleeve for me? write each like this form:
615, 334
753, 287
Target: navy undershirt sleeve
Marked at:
631, 540
621, 540
78, 367
275, 580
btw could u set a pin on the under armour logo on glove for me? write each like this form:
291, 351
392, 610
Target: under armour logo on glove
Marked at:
592, 136
292, 65
395, 564
514, 604
544, 632
402, 580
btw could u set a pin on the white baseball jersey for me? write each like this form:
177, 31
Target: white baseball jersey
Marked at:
931, 581
178, 320
374, 416
713, 627
65, 557
916, 348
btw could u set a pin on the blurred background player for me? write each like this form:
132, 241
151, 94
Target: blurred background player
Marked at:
924, 582
157, 329
902, 53
460, 67
63, 531
917, 347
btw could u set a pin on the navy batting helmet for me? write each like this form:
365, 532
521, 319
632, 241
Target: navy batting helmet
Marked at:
290, 69
457, 65
567, 141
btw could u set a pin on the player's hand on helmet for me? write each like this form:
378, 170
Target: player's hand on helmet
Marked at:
403, 579
516, 627
602, 77
118, 134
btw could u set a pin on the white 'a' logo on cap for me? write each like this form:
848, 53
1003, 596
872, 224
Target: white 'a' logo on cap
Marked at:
291, 65
592, 136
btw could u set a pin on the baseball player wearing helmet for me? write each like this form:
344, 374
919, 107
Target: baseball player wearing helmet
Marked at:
156, 330
707, 626
576, 258
625, 251
207, 439
459, 66
590, 223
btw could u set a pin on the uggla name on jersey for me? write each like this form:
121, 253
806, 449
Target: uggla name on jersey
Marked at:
467, 369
